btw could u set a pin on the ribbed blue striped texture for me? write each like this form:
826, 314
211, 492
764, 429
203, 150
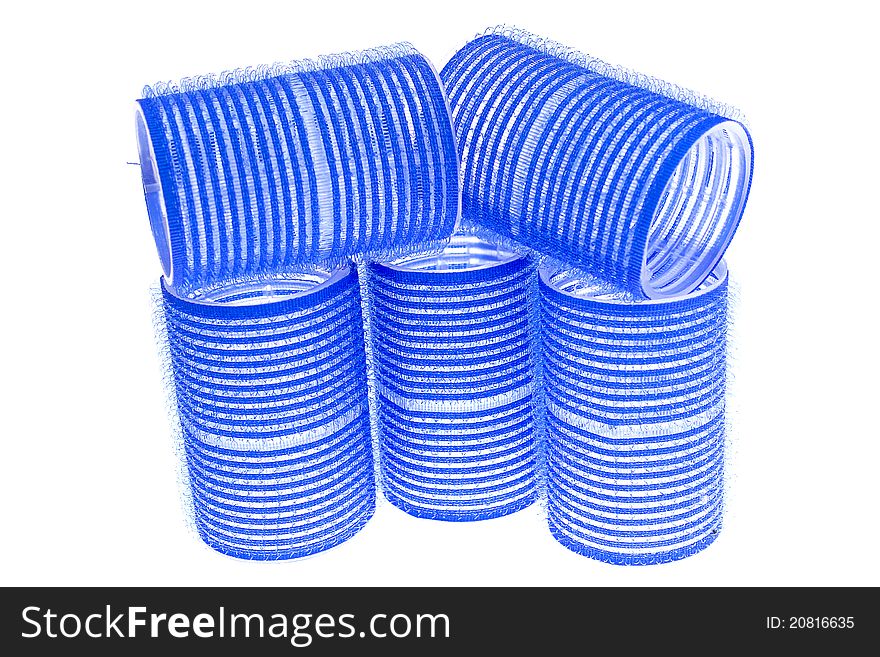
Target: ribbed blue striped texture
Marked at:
635, 417
272, 400
263, 170
635, 187
455, 364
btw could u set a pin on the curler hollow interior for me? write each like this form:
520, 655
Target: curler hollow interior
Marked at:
698, 212
153, 195
462, 253
583, 287
278, 287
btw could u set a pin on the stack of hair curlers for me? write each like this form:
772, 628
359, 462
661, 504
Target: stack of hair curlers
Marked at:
537, 258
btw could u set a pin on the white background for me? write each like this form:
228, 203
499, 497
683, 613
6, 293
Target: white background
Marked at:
87, 469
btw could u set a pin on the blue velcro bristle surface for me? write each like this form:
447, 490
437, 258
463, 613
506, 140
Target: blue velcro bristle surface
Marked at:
261, 171
642, 185
564, 342
635, 419
455, 355
272, 399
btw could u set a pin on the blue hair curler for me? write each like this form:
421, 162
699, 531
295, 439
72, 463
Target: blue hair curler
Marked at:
454, 357
270, 383
629, 179
635, 418
261, 171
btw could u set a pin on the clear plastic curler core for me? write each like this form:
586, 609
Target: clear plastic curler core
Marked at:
278, 287
462, 253
153, 195
698, 213
584, 287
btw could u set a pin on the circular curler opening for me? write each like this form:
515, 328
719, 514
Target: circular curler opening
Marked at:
462, 253
153, 195
586, 287
279, 287
698, 212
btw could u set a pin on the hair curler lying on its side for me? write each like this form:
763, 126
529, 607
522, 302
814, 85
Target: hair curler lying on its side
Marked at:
258, 172
630, 179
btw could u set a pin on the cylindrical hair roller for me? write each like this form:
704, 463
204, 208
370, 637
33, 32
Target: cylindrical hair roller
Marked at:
270, 381
455, 355
635, 417
261, 170
627, 178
